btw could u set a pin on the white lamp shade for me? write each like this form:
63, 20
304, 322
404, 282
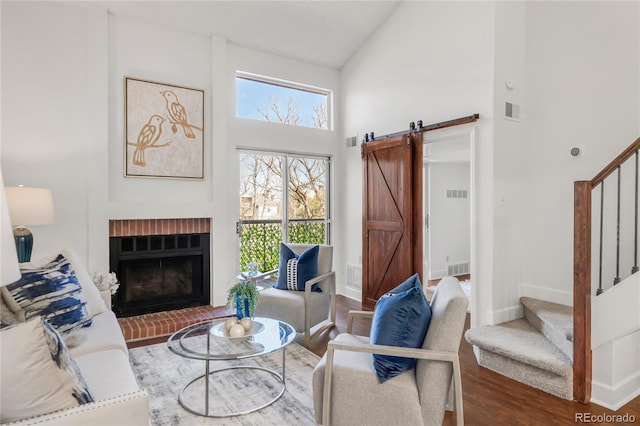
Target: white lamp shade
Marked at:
9, 258
30, 206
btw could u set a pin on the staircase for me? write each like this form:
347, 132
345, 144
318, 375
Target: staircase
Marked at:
536, 350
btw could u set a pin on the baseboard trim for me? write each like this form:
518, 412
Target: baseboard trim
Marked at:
506, 314
546, 293
350, 293
615, 397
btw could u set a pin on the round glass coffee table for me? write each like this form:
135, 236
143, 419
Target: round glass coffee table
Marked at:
207, 341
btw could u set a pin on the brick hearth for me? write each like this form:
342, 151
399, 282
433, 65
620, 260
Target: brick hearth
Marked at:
166, 323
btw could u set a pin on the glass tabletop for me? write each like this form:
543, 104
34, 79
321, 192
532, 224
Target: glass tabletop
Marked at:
207, 340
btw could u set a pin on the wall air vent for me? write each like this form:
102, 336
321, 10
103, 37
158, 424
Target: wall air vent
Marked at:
352, 141
354, 276
460, 268
457, 193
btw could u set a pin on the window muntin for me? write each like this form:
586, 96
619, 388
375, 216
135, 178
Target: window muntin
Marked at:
282, 198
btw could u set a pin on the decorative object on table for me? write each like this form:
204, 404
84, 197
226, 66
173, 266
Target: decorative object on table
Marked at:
244, 296
28, 206
106, 282
164, 130
252, 268
234, 328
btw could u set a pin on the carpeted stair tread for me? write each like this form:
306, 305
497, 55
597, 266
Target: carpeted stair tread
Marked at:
520, 341
558, 317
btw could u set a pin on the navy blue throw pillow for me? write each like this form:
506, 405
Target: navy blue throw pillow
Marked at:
295, 270
401, 318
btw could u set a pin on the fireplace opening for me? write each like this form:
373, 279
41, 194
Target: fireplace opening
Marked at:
160, 272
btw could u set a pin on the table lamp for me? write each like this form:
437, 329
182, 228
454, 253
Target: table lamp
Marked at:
28, 206
9, 259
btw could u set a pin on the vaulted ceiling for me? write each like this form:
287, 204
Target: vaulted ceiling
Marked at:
321, 32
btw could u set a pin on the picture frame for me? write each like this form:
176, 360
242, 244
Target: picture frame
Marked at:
163, 130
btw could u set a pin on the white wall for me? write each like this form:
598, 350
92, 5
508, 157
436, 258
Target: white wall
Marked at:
63, 69
46, 139
431, 61
583, 85
574, 68
449, 218
511, 151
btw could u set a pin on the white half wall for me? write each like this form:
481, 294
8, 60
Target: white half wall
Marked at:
615, 342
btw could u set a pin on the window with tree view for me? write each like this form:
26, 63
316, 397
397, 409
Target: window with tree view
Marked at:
283, 198
286, 103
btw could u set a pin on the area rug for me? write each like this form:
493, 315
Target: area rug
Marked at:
163, 374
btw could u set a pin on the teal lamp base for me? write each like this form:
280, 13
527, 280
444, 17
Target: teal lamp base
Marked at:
24, 243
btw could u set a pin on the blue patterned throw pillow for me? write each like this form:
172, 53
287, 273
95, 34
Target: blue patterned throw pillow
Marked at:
401, 318
62, 359
53, 292
42, 377
295, 270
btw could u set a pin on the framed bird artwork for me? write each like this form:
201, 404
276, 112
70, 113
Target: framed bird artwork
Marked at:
164, 130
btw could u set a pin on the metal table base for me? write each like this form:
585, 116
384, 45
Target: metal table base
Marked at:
208, 373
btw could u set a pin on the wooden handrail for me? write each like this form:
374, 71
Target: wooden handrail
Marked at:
624, 156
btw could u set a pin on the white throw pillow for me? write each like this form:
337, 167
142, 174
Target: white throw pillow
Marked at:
38, 375
95, 302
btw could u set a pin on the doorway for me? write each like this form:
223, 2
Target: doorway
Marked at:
447, 205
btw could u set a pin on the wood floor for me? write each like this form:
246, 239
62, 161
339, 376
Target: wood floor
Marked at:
489, 398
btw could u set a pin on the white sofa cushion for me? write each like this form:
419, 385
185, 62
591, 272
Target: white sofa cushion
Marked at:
104, 334
95, 302
38, 375
108, 373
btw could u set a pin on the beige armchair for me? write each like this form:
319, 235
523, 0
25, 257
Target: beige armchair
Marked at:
308, 312
346, 390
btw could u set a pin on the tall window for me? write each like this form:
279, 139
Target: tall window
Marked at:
283, 198
261, 98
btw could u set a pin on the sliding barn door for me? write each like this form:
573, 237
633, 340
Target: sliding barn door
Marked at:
392, 214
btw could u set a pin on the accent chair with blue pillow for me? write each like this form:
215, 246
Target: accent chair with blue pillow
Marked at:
347, 389
302, 298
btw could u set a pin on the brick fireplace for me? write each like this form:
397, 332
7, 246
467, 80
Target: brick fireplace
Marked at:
162, 264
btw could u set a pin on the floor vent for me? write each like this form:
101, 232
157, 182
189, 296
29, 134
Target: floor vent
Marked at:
454, 269
354, 276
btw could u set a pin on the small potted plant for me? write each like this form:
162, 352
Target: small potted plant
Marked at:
244, 296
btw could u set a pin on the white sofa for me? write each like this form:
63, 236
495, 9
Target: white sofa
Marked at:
103, 360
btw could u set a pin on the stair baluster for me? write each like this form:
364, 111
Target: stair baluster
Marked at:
617, 279
599, 290
635, 267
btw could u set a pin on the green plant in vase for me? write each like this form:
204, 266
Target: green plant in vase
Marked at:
244, 296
